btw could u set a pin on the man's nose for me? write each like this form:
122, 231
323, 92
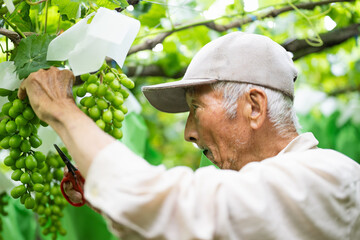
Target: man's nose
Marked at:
191, 134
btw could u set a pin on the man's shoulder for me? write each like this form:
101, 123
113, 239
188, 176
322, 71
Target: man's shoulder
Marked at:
319, 161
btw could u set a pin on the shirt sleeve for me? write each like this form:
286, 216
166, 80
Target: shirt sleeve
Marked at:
273, 199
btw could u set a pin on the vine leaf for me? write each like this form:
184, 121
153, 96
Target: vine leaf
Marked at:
68, 8
31, 55
112, 4
20, 17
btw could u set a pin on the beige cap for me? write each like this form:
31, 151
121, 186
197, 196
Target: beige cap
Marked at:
235, 57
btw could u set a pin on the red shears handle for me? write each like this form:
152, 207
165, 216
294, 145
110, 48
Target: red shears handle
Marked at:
78, 183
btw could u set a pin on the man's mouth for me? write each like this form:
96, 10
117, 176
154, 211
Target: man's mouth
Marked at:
209, 155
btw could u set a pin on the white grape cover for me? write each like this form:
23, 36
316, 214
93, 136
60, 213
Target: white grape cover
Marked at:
85, 45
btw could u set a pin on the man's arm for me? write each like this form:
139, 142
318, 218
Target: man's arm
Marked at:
51, 98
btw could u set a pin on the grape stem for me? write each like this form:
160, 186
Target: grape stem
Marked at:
13, 26
46, 14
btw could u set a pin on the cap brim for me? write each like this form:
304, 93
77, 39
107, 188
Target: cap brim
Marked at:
170, 97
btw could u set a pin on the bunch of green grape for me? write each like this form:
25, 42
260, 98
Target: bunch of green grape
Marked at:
103, 94
18, 133
3, 204
50, 203
38, 176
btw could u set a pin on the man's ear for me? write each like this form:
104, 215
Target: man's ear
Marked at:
256, 107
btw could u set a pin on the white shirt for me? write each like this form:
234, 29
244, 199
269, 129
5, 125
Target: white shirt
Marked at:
302, 193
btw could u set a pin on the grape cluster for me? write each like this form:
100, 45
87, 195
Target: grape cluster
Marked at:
50, 203
38, 176
103, 94
3, 204
18, 133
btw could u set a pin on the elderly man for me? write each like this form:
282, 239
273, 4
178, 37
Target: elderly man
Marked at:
239, 92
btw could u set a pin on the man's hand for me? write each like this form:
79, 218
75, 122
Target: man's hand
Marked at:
51, 98
49, 92
69, 190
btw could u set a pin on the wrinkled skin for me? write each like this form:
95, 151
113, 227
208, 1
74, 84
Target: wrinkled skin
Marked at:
231, 143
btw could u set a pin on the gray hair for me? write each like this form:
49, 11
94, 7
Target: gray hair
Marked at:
279, 108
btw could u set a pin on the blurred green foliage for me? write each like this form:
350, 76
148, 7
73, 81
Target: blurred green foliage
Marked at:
333, 70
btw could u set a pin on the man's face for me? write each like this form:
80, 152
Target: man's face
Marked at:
224, 141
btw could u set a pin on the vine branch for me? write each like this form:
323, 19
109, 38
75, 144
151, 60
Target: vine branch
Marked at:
298, 47
161, 35
14, 36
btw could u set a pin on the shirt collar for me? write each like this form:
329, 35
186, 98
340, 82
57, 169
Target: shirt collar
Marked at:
301, 143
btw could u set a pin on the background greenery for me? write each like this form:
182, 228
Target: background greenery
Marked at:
322, 35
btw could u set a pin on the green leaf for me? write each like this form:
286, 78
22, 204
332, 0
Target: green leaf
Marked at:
68, 8
31, 55
20, 17
112, 4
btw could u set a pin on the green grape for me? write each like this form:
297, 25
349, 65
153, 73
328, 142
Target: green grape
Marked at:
100, 123
16, 175
118, 115
6, 107
24, 197
4, 143
13, 112
58, 174
109, 95
25, 178
92, 88
81, 91
117, 133
117, 124
15, 153
20, 120
15, 141
9, 161
37, 177
89, 102
115, 84
20, 163
127, 83
28, 113
102, 104
11, 127
18, 191
94, 112
25, 131
44, 124
30, 162
107, 116
38, 187
25, 145
40, 210
92, 79
29, 203
123, 109
85, 76
109, 77
117, 101
39, 156
124, 93
101, 91
3, 127
53, 162
18, 105
35, 141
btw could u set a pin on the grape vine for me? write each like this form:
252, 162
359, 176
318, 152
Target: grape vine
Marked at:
103, 94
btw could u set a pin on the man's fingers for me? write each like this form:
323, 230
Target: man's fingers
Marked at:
73, 195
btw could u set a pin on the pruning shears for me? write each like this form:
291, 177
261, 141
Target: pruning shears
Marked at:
74, 176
